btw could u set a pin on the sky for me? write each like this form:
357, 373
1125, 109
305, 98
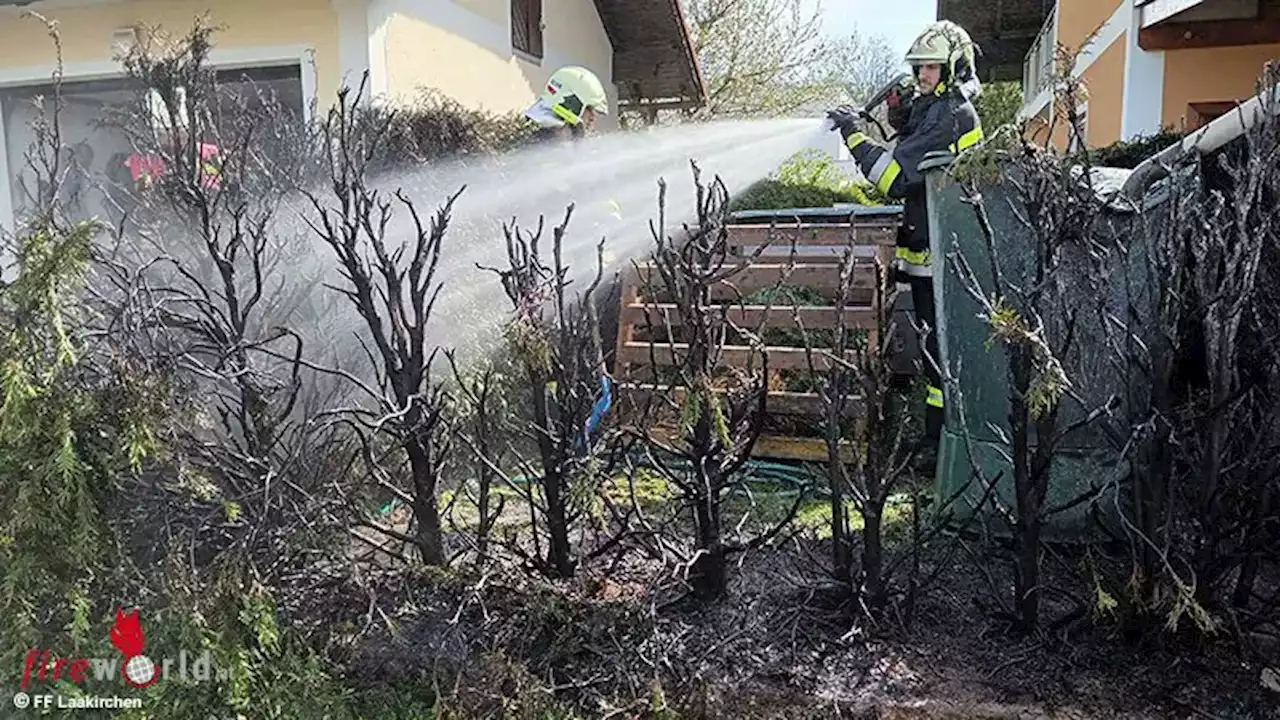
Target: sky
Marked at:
898, 20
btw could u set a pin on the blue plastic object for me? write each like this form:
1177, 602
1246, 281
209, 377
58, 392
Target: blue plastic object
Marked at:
598, 411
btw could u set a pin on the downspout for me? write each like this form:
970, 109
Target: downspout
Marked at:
1203, 141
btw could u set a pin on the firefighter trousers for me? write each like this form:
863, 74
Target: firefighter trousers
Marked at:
922, 300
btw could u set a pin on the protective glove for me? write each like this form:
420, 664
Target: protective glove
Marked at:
845, 119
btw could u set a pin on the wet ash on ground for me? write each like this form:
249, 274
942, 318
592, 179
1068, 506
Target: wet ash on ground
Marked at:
780, 645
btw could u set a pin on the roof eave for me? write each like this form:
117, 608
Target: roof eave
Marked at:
654, 56
691, 53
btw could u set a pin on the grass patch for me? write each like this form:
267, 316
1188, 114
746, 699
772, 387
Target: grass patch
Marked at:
651, 489
896, 522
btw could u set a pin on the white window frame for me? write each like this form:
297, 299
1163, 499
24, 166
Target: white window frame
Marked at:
219, 58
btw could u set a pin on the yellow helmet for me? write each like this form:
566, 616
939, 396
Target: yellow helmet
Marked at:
946, 44
571, 89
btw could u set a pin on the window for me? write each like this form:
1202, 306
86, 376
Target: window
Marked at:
1200, 114
94, 147
526, 27
98, 149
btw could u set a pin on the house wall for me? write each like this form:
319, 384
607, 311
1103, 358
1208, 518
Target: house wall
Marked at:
1078, 18
311, 26
1222, 74
1134, 91
1103, 103
1143, 84
1061, 135
463, 49
1037, 128
1098, 31
1105, 82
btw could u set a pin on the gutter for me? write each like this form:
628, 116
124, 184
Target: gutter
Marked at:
691, 53
1229, 127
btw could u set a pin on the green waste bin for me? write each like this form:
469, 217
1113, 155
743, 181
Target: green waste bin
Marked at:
1089, 468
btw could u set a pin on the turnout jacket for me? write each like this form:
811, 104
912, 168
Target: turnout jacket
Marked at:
943, 120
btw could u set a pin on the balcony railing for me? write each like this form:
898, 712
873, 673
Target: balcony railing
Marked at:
1037, 68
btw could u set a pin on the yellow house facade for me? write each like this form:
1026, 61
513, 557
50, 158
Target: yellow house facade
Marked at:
1146, 64
486, 54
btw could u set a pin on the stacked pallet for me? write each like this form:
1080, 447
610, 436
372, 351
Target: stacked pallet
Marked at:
821, 238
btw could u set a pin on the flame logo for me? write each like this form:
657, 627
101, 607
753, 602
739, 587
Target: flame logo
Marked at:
137, 670
126, 634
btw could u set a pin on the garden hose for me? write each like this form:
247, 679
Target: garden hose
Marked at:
794, 478
789, 479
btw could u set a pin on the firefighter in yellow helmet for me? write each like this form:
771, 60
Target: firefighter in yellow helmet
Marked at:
569, 103
941, 117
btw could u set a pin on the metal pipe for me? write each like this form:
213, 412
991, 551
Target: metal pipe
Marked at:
1230, 126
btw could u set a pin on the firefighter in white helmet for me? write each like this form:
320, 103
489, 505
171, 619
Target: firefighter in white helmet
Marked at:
569, 103
941, 118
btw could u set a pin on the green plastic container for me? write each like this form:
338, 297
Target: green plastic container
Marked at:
1089, 467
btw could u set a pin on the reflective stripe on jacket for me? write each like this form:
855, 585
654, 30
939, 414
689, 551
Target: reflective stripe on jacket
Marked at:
945, 121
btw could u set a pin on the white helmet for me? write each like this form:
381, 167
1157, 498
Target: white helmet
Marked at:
570, 90
948, 45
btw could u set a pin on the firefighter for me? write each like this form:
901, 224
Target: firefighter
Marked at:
569, 104
941, 117
171, 137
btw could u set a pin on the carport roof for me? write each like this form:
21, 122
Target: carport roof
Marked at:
654, 60
1003, 29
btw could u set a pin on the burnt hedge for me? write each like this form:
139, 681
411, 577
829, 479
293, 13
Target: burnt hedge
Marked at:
1130, 153
434, 127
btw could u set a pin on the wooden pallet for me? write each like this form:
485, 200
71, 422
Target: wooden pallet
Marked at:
819, 247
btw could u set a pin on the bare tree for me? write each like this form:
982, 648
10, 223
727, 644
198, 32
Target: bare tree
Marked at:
723, 409
484, 417
856, 394
1234, 229
862, 63
1236, 223
556, 339
189, 288
1046, 307
1201, 336
759, 57
393, 293
1153, 355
